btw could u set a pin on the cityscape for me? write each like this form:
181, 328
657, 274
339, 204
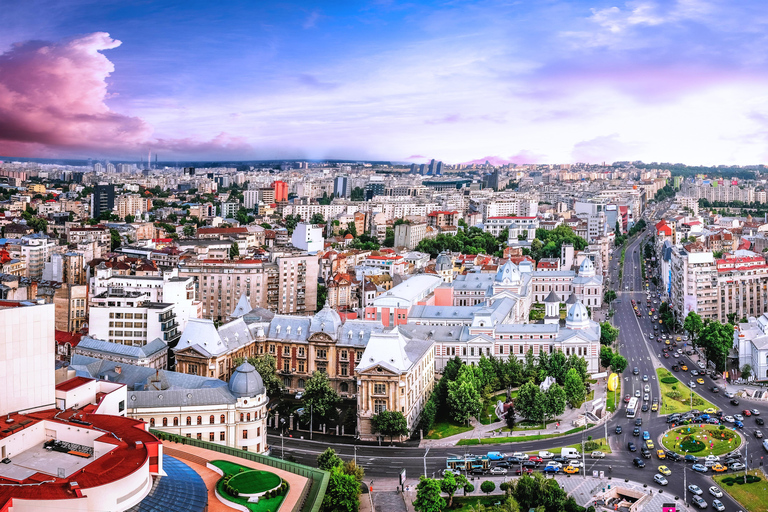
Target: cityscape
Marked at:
422, 257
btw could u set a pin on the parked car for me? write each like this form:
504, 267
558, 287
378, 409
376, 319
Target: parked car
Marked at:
299, 395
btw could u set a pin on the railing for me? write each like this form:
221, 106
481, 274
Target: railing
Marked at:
312, 494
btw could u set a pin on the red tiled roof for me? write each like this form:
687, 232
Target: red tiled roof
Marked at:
73, 338
72, 383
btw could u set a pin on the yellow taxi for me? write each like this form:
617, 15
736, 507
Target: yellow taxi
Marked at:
571, 470
684, 368
650, 313
649, 444
719, 468
678, 339
661, 454
655, 406
666, 342
710, 410
700, 381
664, 470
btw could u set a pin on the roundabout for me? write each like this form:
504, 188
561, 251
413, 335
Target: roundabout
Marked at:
701, 440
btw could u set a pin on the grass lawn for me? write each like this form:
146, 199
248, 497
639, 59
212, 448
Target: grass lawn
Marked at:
446, 428
466, 504
602, 446
519, 439
681, 403
264, 504
614, 396
752, 496
490, 408
706, 440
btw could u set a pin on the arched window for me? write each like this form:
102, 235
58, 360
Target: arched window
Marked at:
344, 387
151, 422
189, 420
222, 419
248, 417
175, 421
165, 422
199, 420
211, 420
241, 417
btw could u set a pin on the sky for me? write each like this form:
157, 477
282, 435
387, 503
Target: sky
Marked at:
541, 81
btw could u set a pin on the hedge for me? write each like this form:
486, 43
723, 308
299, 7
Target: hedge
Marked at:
669, 380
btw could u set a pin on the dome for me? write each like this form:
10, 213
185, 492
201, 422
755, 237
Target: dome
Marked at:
326, 320
577, 317
508, 273
246, 382
587, 268
443, 262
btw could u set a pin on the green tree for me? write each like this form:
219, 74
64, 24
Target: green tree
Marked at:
130, 219
291, 221
390, 423
389, 238
557, 366
463, 396
746, 371
693, 324
609, 296
317, 218
234, 251
320, 396
554, 402
328, 460
579, 364
322, 296
266, 366
342, 493
529, 403
189, 231
428, 496
717, 340
488, 487
242, 216
575, 391
357, 194
351, 468
618, 363
352, 228
114, 239
452, 483
608, 333
606, 355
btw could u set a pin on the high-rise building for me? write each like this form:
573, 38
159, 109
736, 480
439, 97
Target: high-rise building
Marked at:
341, 186
281, 191
103, 199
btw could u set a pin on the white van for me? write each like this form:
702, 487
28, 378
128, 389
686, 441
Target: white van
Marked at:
549, 455
570, 453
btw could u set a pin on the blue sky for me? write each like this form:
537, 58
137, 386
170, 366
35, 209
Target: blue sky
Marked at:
543, 81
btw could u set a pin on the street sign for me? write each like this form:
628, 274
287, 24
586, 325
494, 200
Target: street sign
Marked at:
402, 477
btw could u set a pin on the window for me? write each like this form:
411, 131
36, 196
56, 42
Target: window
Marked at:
379, 406
286, 351
379, 389
151, 422
344, 354
189, 420
211, 420
344, 387
271, 349
165, 422
199, 436
245, 434
322, 353
301, 368
175, 421
301, 352
211, 436
222, 419
199, 420
287, 381
358, 355
242, 416
344, 369
222, 436
248, 417
301, 383
286, 366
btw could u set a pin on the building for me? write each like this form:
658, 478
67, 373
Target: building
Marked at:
495, 225
392, 308
34, 250
750, 340
693, 284
133, 205
151, 355
395, 373
443, 219
341, 187
281, 191
103, 200
232, 413
71, 303
308, 238
409, 235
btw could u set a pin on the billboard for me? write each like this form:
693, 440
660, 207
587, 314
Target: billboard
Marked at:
613, 382
689, 304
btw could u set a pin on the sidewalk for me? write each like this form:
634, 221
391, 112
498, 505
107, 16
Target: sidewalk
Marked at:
480, 431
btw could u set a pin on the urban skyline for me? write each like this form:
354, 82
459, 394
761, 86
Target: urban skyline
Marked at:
552, 82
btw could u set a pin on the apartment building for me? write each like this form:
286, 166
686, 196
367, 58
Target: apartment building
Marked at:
742, 285
518, 205
409, 235
442, 219
34, 250
130, 318
693, 283
495, 225
132, 204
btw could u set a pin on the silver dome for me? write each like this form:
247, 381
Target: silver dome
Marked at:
246, 382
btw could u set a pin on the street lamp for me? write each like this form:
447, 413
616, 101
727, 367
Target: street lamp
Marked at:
282, 447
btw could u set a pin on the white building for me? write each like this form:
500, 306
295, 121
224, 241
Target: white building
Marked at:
308, 237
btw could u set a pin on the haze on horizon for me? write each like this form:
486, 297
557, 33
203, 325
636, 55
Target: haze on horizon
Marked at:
523, 82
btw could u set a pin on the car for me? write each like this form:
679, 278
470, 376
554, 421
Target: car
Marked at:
695, 489
597, 455
635, 371
530, 464
646, 435
551, 469
645, 377
659, 479
514, 460
734, 455
536, 459
636, 432
638, 393
647, 389
638, 462
755, 412
713, 421
571, 470
684, 368
664, 470
299, 395
729, 394
661, 454
644, 408
758, 434
712, 458
631, 446
503, 464
495, 455
694, 372
479, 471
738, 417
674, 456
759, 421
738, 424
700, 381
527, 471
666, 355
575, 463
448, 471
719, 468
618, 429
498, 471
699, 502
701, 365
638, 422
736, 466
675, 368
655, 405
746, 413
701, 468
716, 492
672, 418
729, 419
645, 452
692, 384
627, 398
718, 505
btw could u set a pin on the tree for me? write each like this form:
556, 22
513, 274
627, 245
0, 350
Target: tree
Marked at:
234, 251
357, 194
189, 231
328, 460
320, 396
463, 396
317, 218
291, 221
266, 365
529, 403
608, 333
717, 340
746, 371
352, 228
322, 296
351, 468
557, 368
606, 355
575, 391
450, 484
554, 402
693, 324
390, 423
488, 487
579, 364
510, 417
609, 296
428, 496
130, 219
618, 363
114, 239
389, 238
242, 216
342, 493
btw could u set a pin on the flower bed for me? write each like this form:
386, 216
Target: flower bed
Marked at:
701, 440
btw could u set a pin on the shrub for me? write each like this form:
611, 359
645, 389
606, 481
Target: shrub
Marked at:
590, 446
669, 380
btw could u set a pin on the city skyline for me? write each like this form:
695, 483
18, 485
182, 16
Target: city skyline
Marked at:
461, 82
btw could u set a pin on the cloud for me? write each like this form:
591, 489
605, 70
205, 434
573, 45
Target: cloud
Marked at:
415, 157
605, 148
311, 21
521, 158
313, 82
53, 99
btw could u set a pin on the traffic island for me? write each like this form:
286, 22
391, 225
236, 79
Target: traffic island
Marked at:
701, 440
751, 494
676, 397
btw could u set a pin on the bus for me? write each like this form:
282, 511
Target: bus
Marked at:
632, 407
